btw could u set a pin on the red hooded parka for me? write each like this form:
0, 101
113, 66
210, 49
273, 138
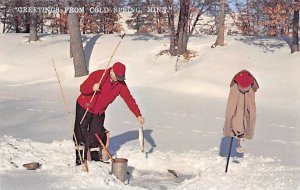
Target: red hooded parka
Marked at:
109, 90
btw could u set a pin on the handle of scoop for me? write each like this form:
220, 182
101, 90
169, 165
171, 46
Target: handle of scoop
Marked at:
104, 147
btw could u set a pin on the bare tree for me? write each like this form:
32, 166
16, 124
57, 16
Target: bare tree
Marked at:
106, 22
178, 39
33, 24
221, 28
76, 47
138, 16
295, 38
161, 20
17, 17
200, 12
154, 18
171, 15
183, 27
248, 17
5, 7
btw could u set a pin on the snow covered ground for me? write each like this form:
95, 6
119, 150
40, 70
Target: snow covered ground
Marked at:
184, 113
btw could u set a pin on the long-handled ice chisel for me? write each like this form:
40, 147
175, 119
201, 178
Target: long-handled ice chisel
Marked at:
229, 153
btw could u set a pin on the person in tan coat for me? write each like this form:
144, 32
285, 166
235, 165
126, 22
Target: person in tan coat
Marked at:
240, 116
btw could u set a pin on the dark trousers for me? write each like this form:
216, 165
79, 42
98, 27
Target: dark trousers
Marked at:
85, 133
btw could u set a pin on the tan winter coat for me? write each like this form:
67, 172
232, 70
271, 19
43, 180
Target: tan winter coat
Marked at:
240, 116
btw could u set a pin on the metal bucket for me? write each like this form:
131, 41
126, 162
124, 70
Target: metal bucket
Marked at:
119, 168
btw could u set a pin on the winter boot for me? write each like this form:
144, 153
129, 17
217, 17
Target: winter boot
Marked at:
240, 149
78, 161
96, 154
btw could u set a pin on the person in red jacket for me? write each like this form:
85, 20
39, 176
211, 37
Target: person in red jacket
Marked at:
112, 85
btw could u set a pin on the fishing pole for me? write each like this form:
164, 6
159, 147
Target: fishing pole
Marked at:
84, 164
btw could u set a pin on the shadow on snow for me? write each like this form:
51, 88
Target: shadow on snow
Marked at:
268, 44
224, 148
117, 141
89, 46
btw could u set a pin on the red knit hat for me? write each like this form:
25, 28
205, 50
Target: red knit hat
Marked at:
244, 79
119, 69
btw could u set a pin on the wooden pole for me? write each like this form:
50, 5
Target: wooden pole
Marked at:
104, 148
84, 164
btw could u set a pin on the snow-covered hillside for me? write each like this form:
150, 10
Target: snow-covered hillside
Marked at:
184, 114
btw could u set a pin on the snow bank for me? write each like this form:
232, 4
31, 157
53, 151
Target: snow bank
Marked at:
196, 170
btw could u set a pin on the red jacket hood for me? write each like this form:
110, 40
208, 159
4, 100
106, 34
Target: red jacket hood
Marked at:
245, 81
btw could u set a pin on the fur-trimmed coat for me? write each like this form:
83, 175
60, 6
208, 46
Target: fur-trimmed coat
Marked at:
240, 116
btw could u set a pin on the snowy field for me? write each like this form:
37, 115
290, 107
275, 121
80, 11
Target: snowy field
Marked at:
184, 114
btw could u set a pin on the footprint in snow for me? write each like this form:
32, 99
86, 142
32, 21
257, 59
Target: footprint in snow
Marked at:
127, 122
281, 126
219, 118
30, 109
296, 143
197, 131
278, 141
